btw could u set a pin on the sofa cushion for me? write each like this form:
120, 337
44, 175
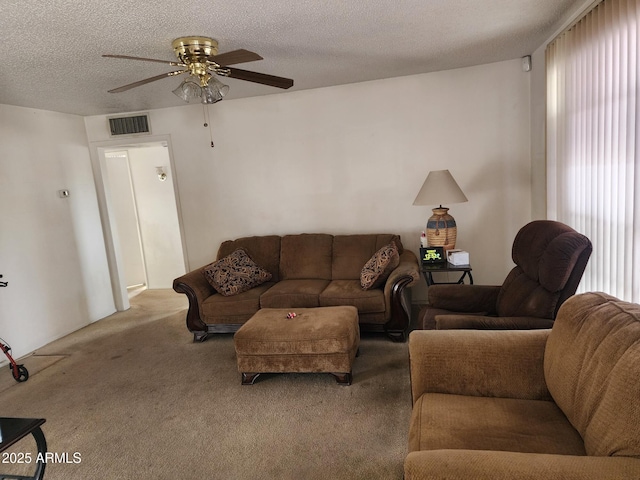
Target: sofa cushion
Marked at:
235, 273
307, 255
221, 309
265, 251
349, 292
445, 421
350, 253
378, 268
592, 366
383, 239
294, 293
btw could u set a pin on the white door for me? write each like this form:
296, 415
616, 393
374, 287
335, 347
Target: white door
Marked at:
126, 217
157, 215
143, 207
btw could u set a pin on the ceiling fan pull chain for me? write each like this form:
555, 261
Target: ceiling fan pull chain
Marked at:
207, 123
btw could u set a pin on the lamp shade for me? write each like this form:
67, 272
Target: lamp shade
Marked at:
439, 188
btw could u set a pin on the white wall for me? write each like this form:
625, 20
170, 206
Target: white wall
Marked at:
352, 158
51, 249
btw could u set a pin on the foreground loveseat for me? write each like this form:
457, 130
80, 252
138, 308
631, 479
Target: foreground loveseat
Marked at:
306, 270
536, 404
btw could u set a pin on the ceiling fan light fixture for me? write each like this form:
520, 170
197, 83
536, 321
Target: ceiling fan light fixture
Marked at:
214, 91
189, 90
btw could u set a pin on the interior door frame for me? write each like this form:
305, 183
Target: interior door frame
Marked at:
114, 256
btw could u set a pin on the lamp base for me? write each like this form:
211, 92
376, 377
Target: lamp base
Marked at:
441, 229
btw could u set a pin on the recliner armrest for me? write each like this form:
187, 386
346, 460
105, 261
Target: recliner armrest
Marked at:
489, 363
464, 298
498, 465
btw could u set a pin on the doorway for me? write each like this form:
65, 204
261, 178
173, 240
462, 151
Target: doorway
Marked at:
142, 223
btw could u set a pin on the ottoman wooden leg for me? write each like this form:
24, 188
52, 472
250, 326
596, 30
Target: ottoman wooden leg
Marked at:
249, 378
343, 378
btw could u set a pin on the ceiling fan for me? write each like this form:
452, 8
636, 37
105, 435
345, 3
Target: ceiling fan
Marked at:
198, 56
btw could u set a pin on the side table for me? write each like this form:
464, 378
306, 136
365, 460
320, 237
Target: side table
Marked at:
428, 269
15, 429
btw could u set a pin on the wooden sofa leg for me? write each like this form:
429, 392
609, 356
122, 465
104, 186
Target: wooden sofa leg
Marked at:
249, 378
399, 336
200, 336
343, 378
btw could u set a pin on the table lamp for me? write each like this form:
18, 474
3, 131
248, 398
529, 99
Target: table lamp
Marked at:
440, 187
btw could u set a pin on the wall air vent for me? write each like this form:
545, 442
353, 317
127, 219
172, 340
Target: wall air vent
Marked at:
130, 125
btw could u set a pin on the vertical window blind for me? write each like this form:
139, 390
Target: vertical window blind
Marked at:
593, 142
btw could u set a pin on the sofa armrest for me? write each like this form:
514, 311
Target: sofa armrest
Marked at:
481, 322
408, 267
464, 298
497, 465
195, 286
396, 296
488, 363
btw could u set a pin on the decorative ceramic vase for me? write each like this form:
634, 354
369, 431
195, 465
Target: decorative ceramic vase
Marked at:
441, 229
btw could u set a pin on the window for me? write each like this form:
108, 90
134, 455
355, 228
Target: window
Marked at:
593, 142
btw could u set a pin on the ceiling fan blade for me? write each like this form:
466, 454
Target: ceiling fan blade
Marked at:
145, 81
262, 78
236, 56
127, 57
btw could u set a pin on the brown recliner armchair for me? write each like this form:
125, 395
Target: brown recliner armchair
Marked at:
550, 259
556, 404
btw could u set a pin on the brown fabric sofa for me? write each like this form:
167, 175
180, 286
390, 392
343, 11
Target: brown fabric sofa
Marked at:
308, 270
560, 403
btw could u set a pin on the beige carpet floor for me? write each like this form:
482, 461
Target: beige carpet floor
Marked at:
137, 399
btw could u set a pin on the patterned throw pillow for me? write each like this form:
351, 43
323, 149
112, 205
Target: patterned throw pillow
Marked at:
235, 273
378, 268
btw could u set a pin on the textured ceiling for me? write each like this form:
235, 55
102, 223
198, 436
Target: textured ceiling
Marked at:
51, 52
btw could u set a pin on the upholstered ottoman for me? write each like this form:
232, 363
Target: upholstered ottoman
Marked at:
322, 339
